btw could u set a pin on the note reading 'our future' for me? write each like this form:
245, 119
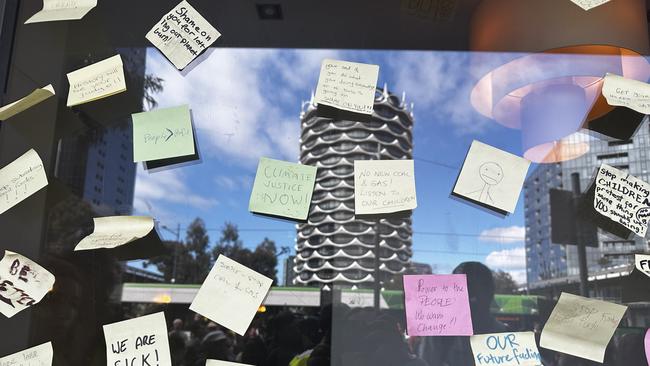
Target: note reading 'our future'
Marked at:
437, 305
182, 34
35, 97
40, 355
162, 134
139, 342
589, 4
581, 327
113, 231
384, 186
99, 80
347, 85
623, 198
505, 349
282, 189
231, 294
620, 91
55, 10
20, 179
23, 283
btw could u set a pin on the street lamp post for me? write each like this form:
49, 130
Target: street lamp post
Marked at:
176, 232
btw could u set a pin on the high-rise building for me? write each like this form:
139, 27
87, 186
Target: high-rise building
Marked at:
289, 273
334, 246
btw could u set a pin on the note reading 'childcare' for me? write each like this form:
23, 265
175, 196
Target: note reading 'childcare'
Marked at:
20, 179
40, 355
163, 133
347, 85
620, 91
55, 10
589, 4
581, 327
491, 177
282, 188
140, 341
642, 263
37, 96
623, 198
437, 305
505, 349
23, 283
113, 231
384, 186
96, 81
231, 294
223, 363
182, 34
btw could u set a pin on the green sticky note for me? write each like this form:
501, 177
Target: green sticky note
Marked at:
282, 189
163, 133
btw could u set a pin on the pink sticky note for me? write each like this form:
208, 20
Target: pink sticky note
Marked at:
647, 346
437, 305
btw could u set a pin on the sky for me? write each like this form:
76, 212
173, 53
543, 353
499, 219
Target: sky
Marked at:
246, 104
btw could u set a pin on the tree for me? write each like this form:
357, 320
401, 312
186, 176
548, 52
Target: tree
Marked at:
503, 283
265, 259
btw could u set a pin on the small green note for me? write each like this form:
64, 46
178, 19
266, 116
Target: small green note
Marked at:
162, 134
282, 189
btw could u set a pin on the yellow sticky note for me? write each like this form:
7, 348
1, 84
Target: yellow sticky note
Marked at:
347, 85
40, 355
630, 93
35, 97
55, 10
96, 81
384, 186
20, 179
589, 4
24, 283
113, 231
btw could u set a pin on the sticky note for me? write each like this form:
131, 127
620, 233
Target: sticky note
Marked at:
581, 327
182, 34
384, 186
231, 294
162, 133
589, 4
642, 263
142, 339
282, 188
347, 85
630, 93
40, 355
55, 10
99, 80
113, 231
646, 342
505, 349
223, 363
23, 283
437, 305
35, 97
20, 179
623, 198
491, 177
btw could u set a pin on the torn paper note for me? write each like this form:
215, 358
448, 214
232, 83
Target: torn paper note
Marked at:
20, 179
37, 96
23, 283
162, 134
505, 349
589, 4
99, 80
630, 93
55, 10
347, 85
40, 355
384, 186
113, 231
138, 341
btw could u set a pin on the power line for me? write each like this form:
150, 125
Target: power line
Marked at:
433, 162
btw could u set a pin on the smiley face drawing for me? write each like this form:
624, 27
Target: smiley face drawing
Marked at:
491, 174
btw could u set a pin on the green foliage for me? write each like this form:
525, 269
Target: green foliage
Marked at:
503, 283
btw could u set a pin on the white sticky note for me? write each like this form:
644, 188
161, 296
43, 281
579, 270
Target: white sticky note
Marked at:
492, 177
20, 179
40, 355
142, 339
630, 93
23, 283
55, 10
231, 294
505, 349
589, 4
642, 263
581, 327
223, 363
99, 80
623, 198
347, 85
182, 34
384, 186
113, 231
35, 97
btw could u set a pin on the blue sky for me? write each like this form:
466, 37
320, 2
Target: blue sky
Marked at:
246, 104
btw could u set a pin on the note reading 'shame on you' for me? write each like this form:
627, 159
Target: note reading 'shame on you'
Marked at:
347, 85
40, 355
23, 283
99, 80
20, 179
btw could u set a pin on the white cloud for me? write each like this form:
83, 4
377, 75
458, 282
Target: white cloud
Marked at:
233, 183
518, 276
503, 235
507, 259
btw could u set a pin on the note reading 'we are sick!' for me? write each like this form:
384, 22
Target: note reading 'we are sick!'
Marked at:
589, 4
96, 81
623, 198
347, 85
20, 179
505, 349
620, 91
384, 186
437, 305
231, 294
40, 355
138, 342
113, 231
23, 283
182, 34
55, 10
35, 97
162, 134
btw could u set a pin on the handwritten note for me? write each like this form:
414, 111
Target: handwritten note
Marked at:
40, 355
113, 231
55, 10
623, 198
347, 85
505, 349
221, 363
23, 283
630, 93
384, 186
433, 10
646, 342
96, 81
20, 179
589, 4
642, 263
182, 34
138, 342
37, 96
163, 133
283, 189
437, 305
581, 327
231, 294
